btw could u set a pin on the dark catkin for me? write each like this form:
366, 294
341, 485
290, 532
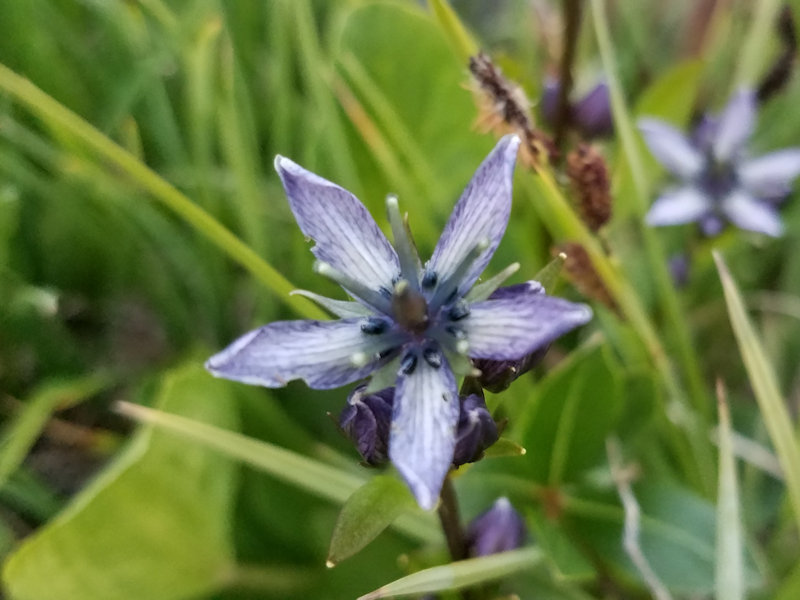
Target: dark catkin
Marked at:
778, 76
580, 271
588, 174
505, 108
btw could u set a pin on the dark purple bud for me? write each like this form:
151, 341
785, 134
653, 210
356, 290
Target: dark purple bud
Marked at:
476, 430
497, 375
592, 114
679, 269
548, 103
499, 529
366, 420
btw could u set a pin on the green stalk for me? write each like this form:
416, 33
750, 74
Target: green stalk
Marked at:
689, 361
58, 116
751, 58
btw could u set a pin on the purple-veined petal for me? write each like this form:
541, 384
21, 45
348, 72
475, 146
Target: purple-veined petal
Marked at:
751, 214
423, 432
325, 354
678, 206
771, 175
346, 235
736, 123
514, 326
671, 148
481, 214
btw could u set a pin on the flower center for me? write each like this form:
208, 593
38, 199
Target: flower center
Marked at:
409, 307
717, 180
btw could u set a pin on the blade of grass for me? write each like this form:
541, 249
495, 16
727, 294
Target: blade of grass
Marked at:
689, 361
460, 574
765, 386
20, 434
458, 36
55, 114
318, 478
751, 59
730, 559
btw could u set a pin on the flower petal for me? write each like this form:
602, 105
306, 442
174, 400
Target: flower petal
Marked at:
515, 325
736, 123
678, 206
422, 438
671, 148
751, 214
347, 236
323, 353
771, 175
481, 214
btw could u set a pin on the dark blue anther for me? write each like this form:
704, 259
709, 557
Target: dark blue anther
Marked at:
456, 332
385, 292
458, 311
408, 363
374, 325
429, 279
432, 357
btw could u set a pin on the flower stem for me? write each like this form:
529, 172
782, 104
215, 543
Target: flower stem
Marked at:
571, 14
451, 526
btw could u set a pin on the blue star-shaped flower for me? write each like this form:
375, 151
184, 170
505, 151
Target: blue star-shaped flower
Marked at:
410, 325
718, 181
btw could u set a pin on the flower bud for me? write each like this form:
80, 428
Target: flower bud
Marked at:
592, 113
476, 430
499, 529
365, 420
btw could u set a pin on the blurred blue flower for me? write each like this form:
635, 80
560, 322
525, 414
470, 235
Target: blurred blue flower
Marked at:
411, 325
499, 529
718, 181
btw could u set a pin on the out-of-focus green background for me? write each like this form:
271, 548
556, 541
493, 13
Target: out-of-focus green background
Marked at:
119, 118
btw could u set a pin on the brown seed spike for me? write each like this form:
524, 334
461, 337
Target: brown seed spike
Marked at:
580, 271
504, 108
588, 174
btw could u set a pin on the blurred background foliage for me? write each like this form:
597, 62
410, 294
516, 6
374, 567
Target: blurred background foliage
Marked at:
112, 289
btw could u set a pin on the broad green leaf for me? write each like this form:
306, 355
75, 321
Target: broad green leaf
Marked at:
21, 433
366, 513
773, 408
154, 524
460, 574
729, 567
318, 478
383, 48
574, 409
677, 531
567, 560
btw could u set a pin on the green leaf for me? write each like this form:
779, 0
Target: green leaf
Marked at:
566, 558
729, 567
154, 525
765, 385
318, 478
460, 574
21, 433
504, 447
366, 513
574, 409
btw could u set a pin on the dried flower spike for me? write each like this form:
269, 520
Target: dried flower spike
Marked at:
588, 174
